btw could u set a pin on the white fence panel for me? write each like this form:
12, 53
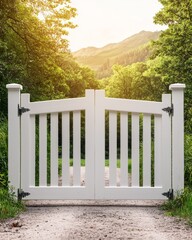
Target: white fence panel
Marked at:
95, 105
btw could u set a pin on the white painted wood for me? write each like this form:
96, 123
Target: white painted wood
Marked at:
54, 149
25, 143
43, 150
158, 151
65, 149
146, 150
95, 147
99, 144
134, 106
124, 148
112, 148
166, 144
135, 150
14, 135
33, 150
55, 106
90, 142
178, 136
76, 148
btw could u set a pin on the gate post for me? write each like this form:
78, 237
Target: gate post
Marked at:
177, 136
14, 135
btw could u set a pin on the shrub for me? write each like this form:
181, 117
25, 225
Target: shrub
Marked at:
3, 153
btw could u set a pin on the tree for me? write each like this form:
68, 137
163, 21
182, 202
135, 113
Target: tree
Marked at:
174, 47
35, 53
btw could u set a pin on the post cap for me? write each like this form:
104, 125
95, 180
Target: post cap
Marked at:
177, 86
14, 86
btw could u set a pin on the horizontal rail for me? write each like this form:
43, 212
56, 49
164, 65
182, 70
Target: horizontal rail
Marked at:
54, 106
135, 106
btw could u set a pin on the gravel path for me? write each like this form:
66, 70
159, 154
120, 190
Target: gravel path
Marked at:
95, 220
58, 220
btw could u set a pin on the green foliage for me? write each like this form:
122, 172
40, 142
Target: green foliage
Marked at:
135, 81
3, 154
175, 49
188, 160
35, 53
9, 206
181, 206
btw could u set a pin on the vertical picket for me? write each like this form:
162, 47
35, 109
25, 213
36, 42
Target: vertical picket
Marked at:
178, 136
90, 141
65, 149
25, 143
147, 150
54, 149
165, 167
43, 150
99, 143
33, 151
135, 149
14, 135
112, 148
158, 151
76, 148
124, 149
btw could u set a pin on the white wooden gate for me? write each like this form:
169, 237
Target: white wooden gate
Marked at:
152, 130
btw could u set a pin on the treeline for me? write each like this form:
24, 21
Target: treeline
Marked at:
34, 51
137, 55
170, 61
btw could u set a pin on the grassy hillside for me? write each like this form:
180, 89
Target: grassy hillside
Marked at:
130, 50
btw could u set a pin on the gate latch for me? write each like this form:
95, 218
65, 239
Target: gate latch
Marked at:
168, 194
169, 110
22, 110
22, 194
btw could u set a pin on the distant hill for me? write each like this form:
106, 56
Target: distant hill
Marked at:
128, 51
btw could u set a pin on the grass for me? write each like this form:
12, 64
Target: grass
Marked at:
181, 206
83, 164
9, 207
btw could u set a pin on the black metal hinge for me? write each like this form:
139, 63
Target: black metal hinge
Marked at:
21, 194
22, 110
169, 194
169, 110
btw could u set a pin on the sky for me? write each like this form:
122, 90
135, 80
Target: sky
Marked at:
101, 22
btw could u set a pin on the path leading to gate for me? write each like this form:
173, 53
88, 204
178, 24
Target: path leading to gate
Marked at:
94, 220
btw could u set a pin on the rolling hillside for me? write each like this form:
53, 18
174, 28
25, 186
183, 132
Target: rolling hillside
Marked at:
128, 51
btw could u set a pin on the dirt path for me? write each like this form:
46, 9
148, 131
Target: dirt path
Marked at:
95, 220
86, 220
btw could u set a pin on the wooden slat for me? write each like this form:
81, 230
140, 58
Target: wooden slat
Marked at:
135, 150
134, 106
147, 150
55, 106
76, 148
166, 144
99, 144
158, 149
42, 150
25, 144
124, 149
90, 141
54, 149
32, 163
112, 148
65, 149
